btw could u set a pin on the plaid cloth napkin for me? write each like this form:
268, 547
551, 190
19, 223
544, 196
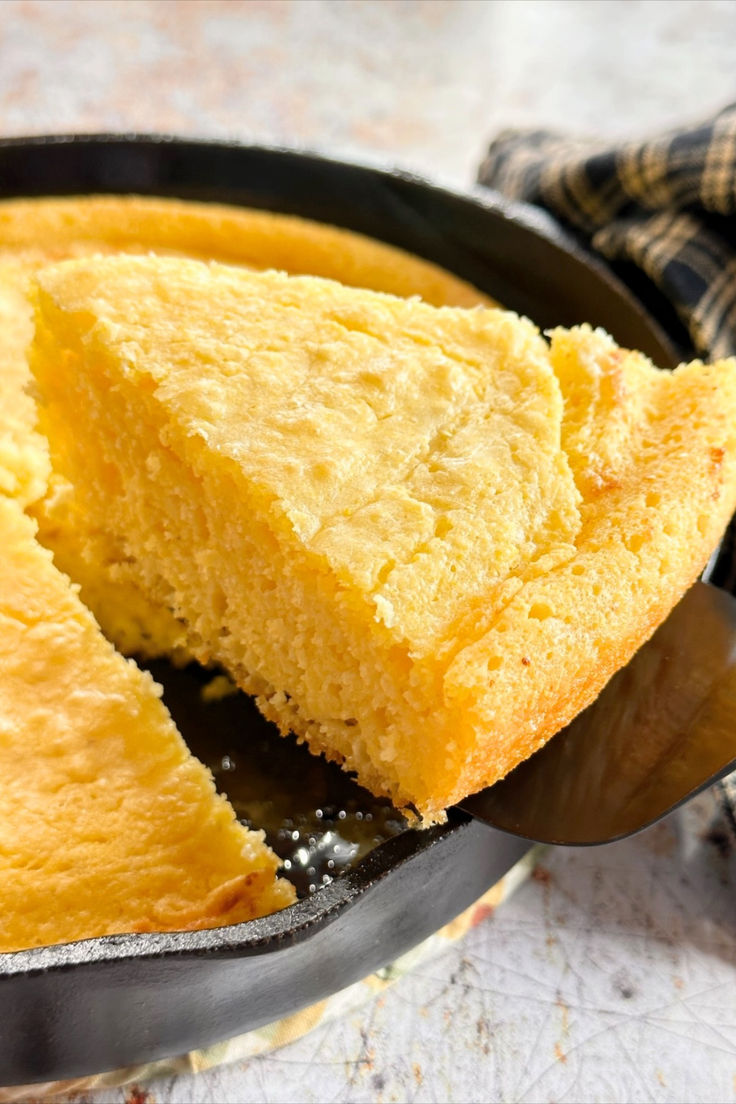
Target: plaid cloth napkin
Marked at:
666, 205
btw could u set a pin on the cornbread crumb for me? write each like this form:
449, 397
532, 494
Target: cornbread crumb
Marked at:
219, 687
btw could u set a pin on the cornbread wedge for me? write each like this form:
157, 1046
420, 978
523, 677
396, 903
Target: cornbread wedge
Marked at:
108, 824
35, 232
424, 540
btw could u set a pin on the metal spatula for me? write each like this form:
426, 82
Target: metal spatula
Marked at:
663, 729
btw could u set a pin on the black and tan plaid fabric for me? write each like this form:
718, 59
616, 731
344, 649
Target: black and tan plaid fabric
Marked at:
667, 205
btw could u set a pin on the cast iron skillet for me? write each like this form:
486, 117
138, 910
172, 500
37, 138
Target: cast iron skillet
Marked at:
85, 1007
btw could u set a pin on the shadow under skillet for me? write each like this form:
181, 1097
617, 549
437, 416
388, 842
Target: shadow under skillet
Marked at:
317, 819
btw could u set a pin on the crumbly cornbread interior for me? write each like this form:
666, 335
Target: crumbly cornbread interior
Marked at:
36, 232
421, 537
108, 824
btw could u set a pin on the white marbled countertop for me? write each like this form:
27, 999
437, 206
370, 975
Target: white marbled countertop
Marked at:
611, 975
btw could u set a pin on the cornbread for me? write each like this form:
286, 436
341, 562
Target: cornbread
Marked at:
109, 824
421, 537
24, 463
49, 229
34, 232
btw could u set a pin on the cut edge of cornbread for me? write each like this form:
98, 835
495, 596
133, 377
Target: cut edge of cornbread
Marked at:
109, 824
94, 561
514, 672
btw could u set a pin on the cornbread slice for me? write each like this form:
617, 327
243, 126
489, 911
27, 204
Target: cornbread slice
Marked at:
108, 823
363, 508
35, 232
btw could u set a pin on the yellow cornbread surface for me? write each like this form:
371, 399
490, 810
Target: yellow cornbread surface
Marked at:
362, 506
108, 824
35, 232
